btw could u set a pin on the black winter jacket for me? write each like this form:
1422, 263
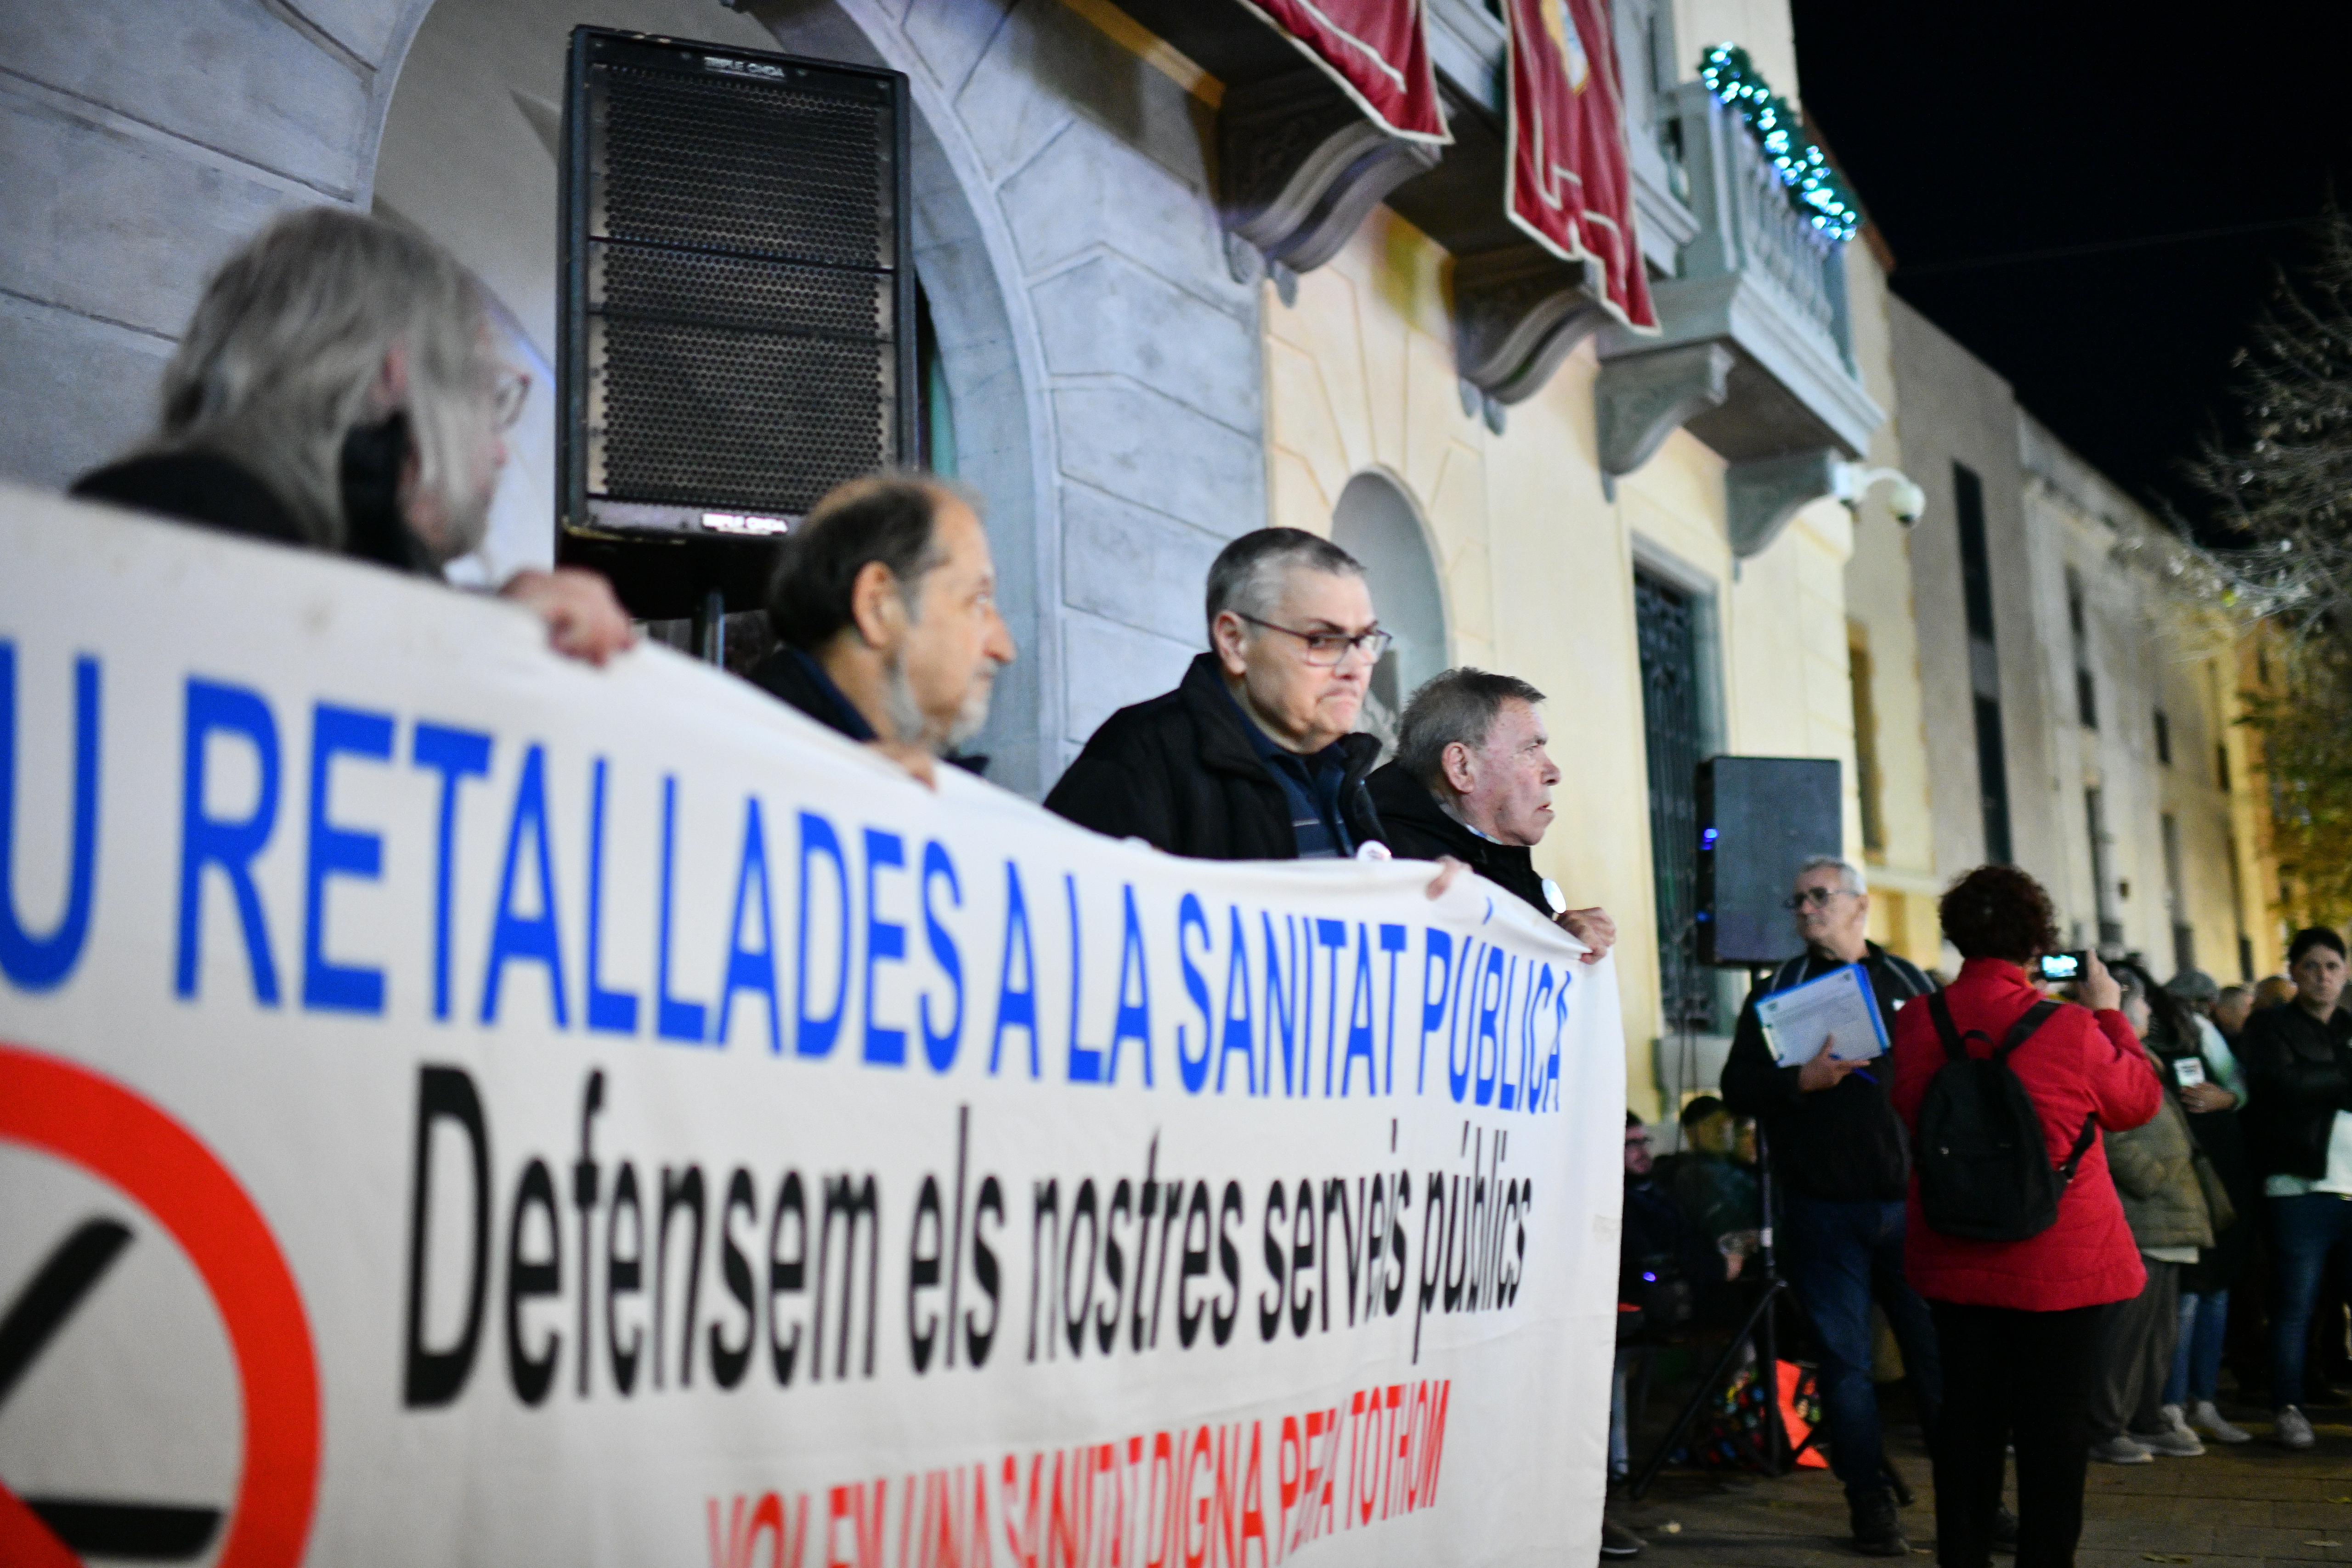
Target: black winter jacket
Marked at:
1835, 1144
1419, 829
216, 493
1179, 772
2298, 1076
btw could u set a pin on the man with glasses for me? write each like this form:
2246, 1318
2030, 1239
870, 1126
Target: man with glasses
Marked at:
1841, 1167
1254, 756
339, 389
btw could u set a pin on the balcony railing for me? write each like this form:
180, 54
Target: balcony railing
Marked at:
1755, 227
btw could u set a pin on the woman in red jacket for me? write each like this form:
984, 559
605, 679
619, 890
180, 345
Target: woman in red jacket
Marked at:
2017, 1322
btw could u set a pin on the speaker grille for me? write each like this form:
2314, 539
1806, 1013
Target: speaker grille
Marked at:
735, 298
702, 397
703, 160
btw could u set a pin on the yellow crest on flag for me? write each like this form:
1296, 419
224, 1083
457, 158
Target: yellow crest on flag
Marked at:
1564, 37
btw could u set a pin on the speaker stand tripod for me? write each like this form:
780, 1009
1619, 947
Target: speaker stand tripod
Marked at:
1758, 1336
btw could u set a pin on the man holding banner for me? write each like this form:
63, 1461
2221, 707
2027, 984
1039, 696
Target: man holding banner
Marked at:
337, 389
884, 605
1473, 780
1256, 755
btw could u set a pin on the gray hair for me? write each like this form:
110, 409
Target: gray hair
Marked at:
1849, 873
1246, 576
1460, 705
284, 356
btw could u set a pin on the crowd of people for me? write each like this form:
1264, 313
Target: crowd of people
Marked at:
2192, 1141
339, 390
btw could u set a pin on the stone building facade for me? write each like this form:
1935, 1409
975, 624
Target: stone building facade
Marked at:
1143, 356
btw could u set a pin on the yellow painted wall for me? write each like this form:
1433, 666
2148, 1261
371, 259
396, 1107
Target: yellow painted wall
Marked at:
1537, 564
1905, 879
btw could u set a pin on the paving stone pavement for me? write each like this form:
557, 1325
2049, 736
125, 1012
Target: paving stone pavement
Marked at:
2242, 1506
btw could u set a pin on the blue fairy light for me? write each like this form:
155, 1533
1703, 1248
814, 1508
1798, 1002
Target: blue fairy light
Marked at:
1813, 185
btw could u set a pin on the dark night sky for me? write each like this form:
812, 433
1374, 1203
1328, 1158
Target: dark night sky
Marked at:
1980, 131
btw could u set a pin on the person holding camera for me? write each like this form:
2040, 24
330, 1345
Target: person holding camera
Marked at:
1837, 1154
2016, 1238
2297, 1060
2157, 1177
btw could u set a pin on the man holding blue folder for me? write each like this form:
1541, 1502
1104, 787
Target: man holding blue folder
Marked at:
1841, 1167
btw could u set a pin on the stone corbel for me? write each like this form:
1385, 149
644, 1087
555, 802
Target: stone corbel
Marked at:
1517, 312
1645, 398
1763, 494
1300, 167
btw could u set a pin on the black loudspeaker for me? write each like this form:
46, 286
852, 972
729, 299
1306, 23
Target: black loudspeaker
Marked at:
1760, 819
737, 307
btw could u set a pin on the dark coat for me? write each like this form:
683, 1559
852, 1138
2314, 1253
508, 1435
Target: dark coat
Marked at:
1180, 773
1418, 829
791, 677
2079, 1064
1837, 1144
216, 493
785, 675
2298, 1076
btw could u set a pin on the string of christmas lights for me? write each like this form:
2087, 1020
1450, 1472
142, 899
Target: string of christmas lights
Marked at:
1812, 185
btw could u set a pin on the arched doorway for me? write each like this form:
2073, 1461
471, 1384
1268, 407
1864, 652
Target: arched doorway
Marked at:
467, 156
1376, 522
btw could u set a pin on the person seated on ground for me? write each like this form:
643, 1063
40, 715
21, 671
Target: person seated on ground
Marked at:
1472, 779
2156, 1176
1715, 1193
1255, 756
883, 607
338, 389
1666, 1268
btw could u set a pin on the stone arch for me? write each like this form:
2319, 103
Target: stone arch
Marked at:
1377, 521
464, 149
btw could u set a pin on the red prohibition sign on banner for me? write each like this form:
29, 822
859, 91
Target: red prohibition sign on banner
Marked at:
74, 1115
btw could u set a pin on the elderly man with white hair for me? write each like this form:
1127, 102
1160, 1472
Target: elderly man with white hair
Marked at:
1841, 1165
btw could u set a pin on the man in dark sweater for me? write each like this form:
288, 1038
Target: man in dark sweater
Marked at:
1473, 780
1841, 1166
884, 613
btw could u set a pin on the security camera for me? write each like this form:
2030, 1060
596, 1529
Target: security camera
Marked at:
1905, 498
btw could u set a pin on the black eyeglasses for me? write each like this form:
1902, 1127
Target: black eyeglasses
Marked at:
1327, 648
1816, 897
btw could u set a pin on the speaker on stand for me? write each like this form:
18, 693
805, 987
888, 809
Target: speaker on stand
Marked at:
1759, 819
736, 306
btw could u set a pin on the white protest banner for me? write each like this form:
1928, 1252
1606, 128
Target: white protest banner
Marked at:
462, 1106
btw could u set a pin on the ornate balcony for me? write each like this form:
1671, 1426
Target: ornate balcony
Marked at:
1756, 355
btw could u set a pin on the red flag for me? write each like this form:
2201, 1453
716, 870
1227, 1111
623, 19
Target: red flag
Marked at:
1378, 53
1570, 185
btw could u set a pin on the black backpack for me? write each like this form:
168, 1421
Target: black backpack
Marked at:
1984, 1170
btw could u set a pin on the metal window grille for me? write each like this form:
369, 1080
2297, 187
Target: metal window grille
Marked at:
1665, 622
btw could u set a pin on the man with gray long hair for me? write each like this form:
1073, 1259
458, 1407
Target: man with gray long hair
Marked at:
338, 389
1472, 779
